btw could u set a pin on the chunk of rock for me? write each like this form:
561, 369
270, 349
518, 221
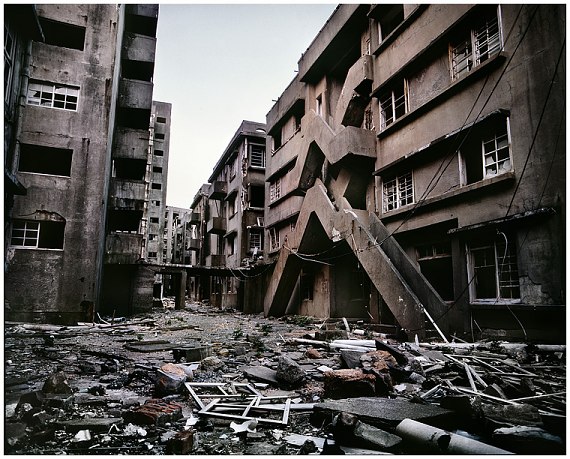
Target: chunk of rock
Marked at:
346, 383
212, 363
289, 371
57, 384
312, 353
260, 373
350, 358
528, 440
378, 360
170, 379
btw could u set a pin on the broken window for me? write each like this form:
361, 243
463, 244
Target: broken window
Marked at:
398, 192
482, 42
275, 190
274, 239
255, 240
129, 169
390, 17
256, 196
436, 265
393, 104
319, 105
39, 159
307, 285
231, 241
486, 155
492, 265
35, 234
62, 34
53, 95
276, 139
257, 155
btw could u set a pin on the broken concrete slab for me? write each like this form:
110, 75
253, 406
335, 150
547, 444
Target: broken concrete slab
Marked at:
385, 412
57, 384
509, 415
528, 440
350, 431
263, 374
400, 357
93, 424
350, 358
289, 371
192, 353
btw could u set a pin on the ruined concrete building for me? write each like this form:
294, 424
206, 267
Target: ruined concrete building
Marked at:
86, 154
416, 171
227, 222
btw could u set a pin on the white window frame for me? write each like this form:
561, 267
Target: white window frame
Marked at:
275, 190
274, 239
257, 156
398, 192
500, 260
30, 232
390, 104
493, 150
49, 95
467, 54
255, 241
9, 53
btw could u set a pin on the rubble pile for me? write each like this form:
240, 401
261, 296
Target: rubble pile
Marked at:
207, 381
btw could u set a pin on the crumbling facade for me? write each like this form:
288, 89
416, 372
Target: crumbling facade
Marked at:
227, 222
82, 149
416, 173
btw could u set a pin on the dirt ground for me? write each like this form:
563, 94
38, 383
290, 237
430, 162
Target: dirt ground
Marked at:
110, 371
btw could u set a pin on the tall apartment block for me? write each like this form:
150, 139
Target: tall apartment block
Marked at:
415, 174
177, 232
228, 218
80, 148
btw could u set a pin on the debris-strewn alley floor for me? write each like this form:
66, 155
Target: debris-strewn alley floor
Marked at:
203, 381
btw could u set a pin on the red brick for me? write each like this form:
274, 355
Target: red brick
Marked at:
154, 412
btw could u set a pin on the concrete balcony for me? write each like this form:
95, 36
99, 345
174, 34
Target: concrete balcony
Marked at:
123, 248
131, 143
283, 210
284, 154
135, 94
127, 190
216, 225
218, 190
216, 260
194, 244
139, 48
195, 217
352, 141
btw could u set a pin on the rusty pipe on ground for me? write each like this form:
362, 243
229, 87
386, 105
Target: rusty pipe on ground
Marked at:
441, 441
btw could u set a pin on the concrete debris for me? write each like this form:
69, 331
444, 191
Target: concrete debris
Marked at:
267, 386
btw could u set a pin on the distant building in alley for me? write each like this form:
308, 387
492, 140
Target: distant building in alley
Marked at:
227, 224
416, 172
84, 149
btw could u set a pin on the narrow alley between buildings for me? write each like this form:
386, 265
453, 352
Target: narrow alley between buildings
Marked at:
204, 380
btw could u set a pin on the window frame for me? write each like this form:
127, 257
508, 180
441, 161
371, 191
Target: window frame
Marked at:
509, 253
49, 99
261, 157
396, 197
252, 240
35, 237
389, 101
9, 58
274, 239
275, 190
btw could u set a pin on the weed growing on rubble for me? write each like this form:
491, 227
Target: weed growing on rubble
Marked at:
238, 333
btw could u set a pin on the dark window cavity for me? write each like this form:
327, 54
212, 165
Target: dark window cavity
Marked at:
45, 160
62, 34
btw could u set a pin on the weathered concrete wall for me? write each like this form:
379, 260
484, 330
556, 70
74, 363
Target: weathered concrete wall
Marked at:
30, 281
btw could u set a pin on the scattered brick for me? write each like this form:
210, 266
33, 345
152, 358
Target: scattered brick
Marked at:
154, 412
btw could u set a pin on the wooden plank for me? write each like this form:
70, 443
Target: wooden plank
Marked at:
470, 377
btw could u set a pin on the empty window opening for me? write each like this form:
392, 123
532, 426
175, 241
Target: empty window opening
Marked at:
158, 153
52, 95
256, 196
231, 243
154, 219
436, 265
398, 192
493, 269
276, 140
319, 105
160, 119
143, 25
135, 118
393, 104
129, 169
232, 205
257, 155
37, 234
152, 255
156, 186
390, 18
306, 286
124, 220
137, 70
45, 160
62, 34
159, 136
157, 169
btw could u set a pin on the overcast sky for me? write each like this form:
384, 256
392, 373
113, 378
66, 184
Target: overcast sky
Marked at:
219, 64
